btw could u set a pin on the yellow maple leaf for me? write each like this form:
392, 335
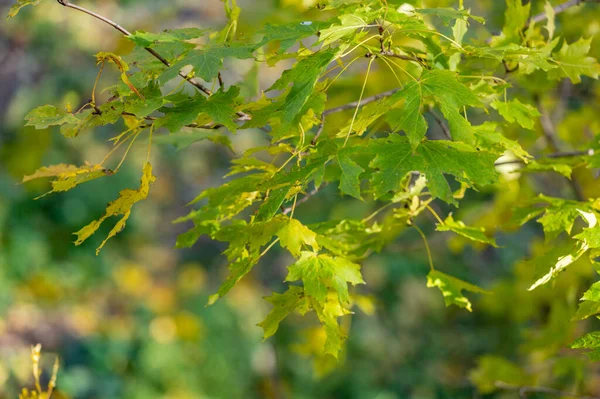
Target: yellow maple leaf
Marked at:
120, 207
68, 176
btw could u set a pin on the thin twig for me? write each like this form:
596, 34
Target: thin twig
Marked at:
441, 124
348, 106
364, 102
564, 154
559, 9
308, 196
205, 90
525, 390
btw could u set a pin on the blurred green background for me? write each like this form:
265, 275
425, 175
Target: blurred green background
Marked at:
132, 322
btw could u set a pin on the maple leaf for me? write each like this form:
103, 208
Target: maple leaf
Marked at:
350, 177
395, 159
289, 34
515, 111
283, 304
589, 341
48, 115
15, 8
209, 61
472, 233
449, 93
319, 273
220, 107
149, 39
120, 207
68, 176
573, 61
103, 57
294, 235
304, 76
452, 288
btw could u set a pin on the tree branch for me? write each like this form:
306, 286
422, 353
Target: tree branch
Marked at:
308, 196
441, 124
524, 391
348, 106
559, 9
125, 32
564, 154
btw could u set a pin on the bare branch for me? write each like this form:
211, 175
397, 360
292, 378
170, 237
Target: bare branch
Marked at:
559, 9
364, 102
564, 154
441, 124
199, 86
524, 391
348, 106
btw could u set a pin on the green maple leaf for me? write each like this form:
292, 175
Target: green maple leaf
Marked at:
589, 341
472, 233
289, 34
549, 165
283, 304
150, 101
245, 244
48, 115
515, 111
516, 17
447, 91
409, 117
220, 107
347, 26
587, 309
573, 61
490, 139
352, 237
149, 39
350, 176
447, 15
452, 288
395, 159
209, 61
561, 259
304, 76
560, 215
319, 273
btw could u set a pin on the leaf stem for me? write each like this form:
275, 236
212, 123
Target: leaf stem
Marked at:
362, 92
426, 245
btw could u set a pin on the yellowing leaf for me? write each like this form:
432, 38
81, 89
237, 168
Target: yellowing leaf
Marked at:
294, 235
120, 207
121, 65
68, 176
14, 10
319, 273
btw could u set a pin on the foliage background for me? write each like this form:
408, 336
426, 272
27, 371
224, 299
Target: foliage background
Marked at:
131, 323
